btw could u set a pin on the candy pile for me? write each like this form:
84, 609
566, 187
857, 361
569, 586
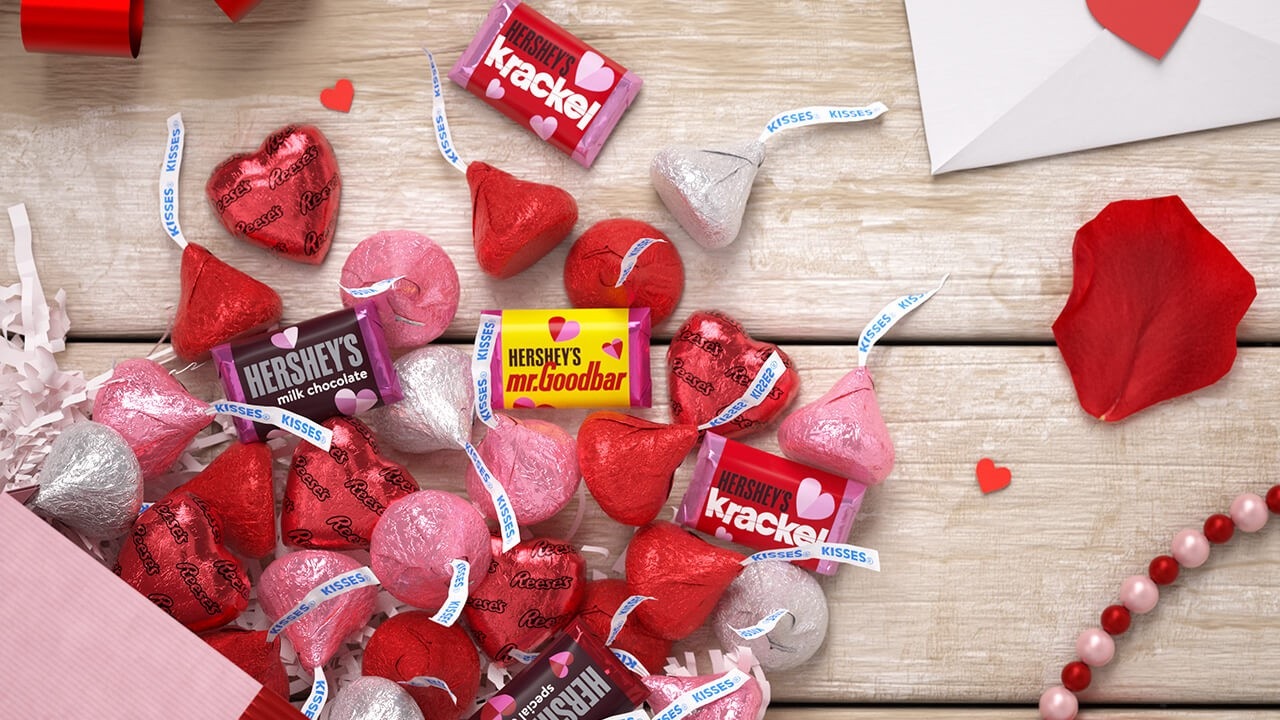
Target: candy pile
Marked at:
440, 604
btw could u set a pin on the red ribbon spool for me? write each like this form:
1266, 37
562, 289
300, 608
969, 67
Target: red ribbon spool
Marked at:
85, 27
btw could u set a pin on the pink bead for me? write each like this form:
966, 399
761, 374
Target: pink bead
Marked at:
1249, 512
1139, 593
1190, 548
1057, 703
1095, 647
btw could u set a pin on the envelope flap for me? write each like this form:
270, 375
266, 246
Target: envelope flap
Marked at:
1215, 75
975, 60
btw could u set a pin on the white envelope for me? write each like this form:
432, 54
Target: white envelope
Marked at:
1005, 80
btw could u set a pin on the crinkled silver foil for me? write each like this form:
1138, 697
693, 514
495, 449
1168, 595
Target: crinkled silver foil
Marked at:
435, 413
91, 481
374, 698
762, 588
707, 190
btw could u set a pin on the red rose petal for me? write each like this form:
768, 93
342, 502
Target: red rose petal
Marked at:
1153, 308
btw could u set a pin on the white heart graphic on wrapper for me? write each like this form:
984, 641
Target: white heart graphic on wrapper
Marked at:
494, 90
352, 403
543, 127
812, 503
724, 534
592, 74
286, 339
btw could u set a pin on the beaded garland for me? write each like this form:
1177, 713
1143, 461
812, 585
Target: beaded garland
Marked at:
1140, 593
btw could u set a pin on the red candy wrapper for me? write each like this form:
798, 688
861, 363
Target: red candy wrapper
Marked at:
541, 76
763, 501
83, 27
575, 677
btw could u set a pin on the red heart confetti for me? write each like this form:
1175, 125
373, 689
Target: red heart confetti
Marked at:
684, 575
338, 98
529, 593
628, 463
1153, 309
1152, 26
218, 303
515, 223
992, 478
284, 196
238, 486
711, 362
333, 499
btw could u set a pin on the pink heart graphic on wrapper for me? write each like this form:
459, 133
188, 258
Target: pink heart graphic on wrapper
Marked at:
543, 127
812, 503
613, 349
560, 663
592, 74
286, 339
528, 403
495, 90
724, 534
499, 706
352, 403
563, 330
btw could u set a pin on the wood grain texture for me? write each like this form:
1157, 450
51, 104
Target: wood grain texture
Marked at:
846, 214
981, 597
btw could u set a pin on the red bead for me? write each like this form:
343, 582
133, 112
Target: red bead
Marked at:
1163, 570
1219, 528
1076, 676
1273, 499
1115, 619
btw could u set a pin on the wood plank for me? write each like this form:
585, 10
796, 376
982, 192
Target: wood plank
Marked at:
844, 217
981, 598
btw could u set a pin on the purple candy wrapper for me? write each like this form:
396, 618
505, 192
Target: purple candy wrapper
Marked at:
335, 364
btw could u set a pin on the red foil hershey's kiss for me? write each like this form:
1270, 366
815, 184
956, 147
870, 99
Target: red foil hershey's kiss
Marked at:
218, 303
1153, 309
514, 223
684, 574
238, 486
284, 196
628, 463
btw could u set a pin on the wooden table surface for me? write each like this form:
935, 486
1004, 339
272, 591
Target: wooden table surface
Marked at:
981, 597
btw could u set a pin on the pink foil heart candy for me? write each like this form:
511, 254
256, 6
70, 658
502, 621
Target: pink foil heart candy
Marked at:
842, 432
318, 636
152, 411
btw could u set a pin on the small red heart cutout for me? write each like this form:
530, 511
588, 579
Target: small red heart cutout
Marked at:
1152, 26
283, 196
515, 223
628, 463
175, 557
333, 499
238, 486
992, 478
684, 575
218, 304
529, 593
711, 362
338, 98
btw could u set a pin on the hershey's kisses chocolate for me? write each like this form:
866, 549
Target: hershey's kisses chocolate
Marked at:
576, 678
335, 364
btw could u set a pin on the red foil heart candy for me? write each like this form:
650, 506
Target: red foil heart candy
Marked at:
282, 197
412, 644
528, 595
1153, 309
514, 223
654, 278
684, 574
251, 652
628, 463
598, 606
218, 304
238, 486
332, 500
318, 635
152, 411
711, 361
842, 432
174, 555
